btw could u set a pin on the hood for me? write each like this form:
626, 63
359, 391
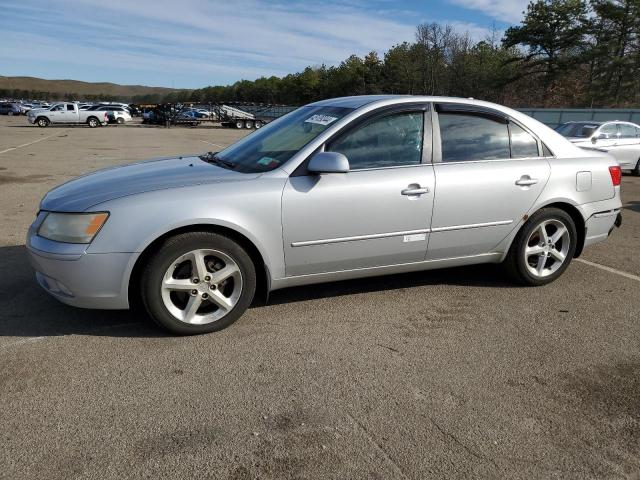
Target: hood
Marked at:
84, 192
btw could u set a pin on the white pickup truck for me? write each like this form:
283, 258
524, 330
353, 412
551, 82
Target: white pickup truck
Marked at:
67, 113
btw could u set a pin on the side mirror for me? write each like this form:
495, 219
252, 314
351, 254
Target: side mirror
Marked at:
328, 162
594, 139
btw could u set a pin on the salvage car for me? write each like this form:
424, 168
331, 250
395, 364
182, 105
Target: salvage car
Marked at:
339, 189
67, 113
619, 139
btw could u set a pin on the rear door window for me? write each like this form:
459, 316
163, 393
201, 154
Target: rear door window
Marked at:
523, 144
468, 137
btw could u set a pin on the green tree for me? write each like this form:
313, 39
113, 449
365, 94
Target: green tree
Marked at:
615, 52
554, 35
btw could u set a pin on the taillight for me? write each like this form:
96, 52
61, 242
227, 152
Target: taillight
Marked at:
616, 175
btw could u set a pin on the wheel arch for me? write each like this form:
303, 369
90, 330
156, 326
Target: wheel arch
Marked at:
263, 276
575, 215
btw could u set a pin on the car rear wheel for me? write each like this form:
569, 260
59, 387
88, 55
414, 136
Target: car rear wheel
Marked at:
239, 124
636, 171
120, 120
543, 248
10, 113
257, 124
42, 122
198, 282
248, 124
93, 122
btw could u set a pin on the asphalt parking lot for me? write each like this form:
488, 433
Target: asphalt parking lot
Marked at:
444, 374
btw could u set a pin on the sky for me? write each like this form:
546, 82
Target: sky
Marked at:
195, 43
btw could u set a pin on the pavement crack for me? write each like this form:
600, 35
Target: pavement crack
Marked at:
462, 445
388, 348
378, 446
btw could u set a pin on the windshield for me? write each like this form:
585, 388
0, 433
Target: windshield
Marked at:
578, 129
274, 144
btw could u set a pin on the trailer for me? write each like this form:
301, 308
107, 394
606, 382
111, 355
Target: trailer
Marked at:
240, 115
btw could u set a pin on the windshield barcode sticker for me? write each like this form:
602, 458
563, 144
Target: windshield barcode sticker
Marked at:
321, 119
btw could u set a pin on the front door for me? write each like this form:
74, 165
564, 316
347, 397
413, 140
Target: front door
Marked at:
377, 214
56, 114
489, 176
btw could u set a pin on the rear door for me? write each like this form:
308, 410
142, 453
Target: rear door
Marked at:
489, 171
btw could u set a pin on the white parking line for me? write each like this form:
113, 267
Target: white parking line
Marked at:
214, 144
31, 143
22, 342
609, 269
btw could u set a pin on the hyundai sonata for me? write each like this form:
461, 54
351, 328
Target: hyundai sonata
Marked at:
338, 189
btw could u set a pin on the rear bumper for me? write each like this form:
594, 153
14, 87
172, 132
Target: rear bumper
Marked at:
600, 225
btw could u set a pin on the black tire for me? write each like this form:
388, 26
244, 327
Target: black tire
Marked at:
154, 271
248, 124
42, 122
515, 264
93, 122
636, 171
120, 120
239, 124
10, 113
258, 124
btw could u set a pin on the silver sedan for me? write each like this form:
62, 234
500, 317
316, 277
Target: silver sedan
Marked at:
338, 189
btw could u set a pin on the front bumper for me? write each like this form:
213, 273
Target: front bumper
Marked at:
81, 279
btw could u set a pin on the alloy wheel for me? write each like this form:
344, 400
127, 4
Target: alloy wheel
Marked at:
547, 248
201, 286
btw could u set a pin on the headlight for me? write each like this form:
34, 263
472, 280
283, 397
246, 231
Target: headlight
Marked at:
72, 227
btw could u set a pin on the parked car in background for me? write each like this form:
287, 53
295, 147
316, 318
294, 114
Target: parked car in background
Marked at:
9, 108
399, 183
26, 107
617, 138
116, 113
67, 113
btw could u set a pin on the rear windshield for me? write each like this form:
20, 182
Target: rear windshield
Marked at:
578, 129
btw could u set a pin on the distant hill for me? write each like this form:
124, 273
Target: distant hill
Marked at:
60, 88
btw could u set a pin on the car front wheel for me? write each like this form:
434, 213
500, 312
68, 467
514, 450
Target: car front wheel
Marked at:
42, 122
543, 248
198, 282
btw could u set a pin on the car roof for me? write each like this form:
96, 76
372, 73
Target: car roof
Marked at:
591, 122
559, 145
363, 100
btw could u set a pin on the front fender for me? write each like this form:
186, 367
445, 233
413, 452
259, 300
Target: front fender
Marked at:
252, 209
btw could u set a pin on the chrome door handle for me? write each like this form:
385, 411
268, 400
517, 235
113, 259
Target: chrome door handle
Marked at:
414, 190
526, 181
